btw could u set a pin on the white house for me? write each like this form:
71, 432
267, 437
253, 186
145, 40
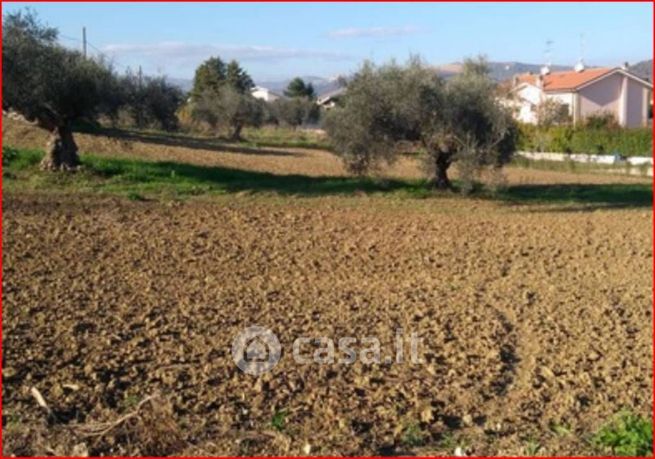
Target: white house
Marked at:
264, 94
584, 92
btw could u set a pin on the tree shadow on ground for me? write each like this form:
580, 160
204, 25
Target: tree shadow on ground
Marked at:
233, 180
136, 176
564, 196
216, 144
582, 197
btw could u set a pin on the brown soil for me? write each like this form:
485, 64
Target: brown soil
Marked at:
531, 318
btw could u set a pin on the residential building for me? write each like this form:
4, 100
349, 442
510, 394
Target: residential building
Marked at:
264, 94
584, 92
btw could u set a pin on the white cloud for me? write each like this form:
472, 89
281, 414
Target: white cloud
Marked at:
373, 32
192, 52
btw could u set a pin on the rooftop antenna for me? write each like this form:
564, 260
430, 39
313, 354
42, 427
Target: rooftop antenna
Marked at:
545, 70
579, 67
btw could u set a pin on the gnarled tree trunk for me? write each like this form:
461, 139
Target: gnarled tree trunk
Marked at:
236, 133
440, 179
61, 150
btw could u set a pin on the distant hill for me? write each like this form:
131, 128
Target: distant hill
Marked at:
643, 69
500, 71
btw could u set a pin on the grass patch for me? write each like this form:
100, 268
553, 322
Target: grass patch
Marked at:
413, 436
138, 179
279, 420
270, 136
561, 430
626, 435
132, 196
14, 160
532, 447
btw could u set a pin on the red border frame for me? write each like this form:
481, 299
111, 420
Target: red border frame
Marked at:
343, 1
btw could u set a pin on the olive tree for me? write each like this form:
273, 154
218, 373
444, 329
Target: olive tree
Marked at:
51, 85
239, 110
151, 101
459, 120
294, 111
228, 109
221, 97
472, 128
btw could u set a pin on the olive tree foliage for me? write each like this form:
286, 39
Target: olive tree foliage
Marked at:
377, 113
151, 101
51, 85
473, 128
294, 111
298, 107
455, 121
228, 109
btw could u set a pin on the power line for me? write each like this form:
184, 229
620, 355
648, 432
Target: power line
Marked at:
87, 44
94, 47
66, 37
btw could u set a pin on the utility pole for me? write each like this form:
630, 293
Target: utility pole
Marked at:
549, 52
140, 77
84, 41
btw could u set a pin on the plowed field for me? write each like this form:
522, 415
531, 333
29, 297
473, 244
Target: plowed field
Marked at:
536, 320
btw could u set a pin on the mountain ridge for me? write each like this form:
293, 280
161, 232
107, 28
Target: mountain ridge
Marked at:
500, 71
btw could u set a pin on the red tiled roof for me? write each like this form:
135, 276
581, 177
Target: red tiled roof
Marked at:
561, 81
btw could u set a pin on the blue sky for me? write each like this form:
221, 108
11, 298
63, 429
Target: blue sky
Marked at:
280, 40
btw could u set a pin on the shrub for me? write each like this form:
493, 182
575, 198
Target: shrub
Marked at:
552, 113
586, 139
8, 155
560, 138
602, 120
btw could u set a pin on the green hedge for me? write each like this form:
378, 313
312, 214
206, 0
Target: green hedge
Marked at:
569, 139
